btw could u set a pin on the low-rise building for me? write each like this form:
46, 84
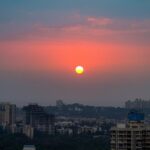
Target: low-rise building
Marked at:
28, 131
29, 147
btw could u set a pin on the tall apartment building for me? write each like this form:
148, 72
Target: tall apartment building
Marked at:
7, 114
36, 117
134, 135
138, 104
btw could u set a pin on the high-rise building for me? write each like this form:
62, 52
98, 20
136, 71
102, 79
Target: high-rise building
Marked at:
134, 135
137, 104
36, 117
7, 114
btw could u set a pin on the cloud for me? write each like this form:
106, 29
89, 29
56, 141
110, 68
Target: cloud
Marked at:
83, 23
115, 40
78, 26
99, 21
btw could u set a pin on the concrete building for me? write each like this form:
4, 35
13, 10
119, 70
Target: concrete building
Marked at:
17, 128
7, 114
36, 117
28, 131
134, 135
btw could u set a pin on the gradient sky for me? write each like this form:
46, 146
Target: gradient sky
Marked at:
42, 41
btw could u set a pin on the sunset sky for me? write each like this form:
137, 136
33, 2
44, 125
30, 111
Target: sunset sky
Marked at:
42, 41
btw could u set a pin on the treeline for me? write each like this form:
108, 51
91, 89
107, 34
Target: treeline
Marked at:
45, 142
78, 110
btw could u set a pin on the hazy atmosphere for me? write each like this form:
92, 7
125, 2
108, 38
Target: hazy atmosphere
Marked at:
41, 43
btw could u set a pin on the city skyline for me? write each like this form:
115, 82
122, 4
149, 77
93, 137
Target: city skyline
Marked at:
41, 43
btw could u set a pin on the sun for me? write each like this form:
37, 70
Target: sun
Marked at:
79, 69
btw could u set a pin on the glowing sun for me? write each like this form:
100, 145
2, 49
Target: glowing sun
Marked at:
79, 70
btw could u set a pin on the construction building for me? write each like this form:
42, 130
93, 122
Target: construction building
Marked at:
36, 117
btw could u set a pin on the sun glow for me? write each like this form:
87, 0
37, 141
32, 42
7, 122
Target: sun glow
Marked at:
79, 70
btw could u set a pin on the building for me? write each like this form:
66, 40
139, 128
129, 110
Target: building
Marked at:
17, 128
134, 135
7, 114
138, 104
29, 147
28, 131
36, 117
60, 105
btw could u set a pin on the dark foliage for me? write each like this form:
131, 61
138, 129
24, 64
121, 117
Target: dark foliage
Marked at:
45, 142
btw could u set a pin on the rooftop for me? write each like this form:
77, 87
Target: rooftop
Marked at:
29, 147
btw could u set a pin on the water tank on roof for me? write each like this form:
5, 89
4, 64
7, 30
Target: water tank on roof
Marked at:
135, 116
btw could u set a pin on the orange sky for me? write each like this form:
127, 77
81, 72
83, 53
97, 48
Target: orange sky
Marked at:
40, 48
65, 55
100, 44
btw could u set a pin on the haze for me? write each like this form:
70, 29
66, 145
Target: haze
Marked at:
41, 43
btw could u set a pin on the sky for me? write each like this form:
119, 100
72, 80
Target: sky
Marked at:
42, 41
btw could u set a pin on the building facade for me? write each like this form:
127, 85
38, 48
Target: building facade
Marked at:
36, 117
7, 114
28, 131
134, 135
